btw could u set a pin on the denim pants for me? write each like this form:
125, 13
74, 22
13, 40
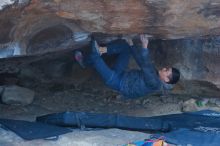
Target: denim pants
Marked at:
112, 76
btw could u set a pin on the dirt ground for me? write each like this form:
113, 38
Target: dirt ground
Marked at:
89, 99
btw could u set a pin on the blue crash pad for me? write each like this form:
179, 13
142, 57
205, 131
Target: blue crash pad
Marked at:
33, 130
157, 123
206, 136
195, 128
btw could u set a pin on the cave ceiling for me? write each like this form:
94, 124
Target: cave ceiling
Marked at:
23, 21
33, 27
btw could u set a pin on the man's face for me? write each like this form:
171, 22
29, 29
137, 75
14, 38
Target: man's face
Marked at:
165, 74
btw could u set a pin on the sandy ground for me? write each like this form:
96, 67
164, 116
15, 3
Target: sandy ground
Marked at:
109, 137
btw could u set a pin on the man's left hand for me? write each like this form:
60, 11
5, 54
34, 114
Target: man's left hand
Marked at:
144, 40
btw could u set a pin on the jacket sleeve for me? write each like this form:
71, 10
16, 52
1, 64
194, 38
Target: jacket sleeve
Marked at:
142, 58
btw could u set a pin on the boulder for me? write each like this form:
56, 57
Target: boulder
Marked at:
16, 95
163, 18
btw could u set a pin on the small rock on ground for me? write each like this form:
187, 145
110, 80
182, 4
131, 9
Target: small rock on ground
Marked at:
16, 95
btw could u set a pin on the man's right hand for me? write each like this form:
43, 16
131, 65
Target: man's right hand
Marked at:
144, 40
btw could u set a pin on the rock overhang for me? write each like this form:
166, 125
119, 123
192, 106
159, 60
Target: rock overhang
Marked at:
33, 27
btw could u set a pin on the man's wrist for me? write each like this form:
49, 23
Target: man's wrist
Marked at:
130, 42
145, 46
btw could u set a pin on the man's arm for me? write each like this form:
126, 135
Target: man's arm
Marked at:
142, 55
142, 58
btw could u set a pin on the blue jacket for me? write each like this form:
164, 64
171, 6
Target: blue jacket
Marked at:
137, 83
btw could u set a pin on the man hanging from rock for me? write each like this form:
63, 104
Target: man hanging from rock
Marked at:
133, 83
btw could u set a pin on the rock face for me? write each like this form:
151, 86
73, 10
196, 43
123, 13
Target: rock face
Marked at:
33, 21
17, 95
186, 32
164, 18
30, 27
197, 58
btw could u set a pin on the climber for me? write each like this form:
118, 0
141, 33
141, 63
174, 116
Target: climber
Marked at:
133, 83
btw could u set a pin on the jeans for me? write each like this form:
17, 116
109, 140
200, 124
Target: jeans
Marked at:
112, 76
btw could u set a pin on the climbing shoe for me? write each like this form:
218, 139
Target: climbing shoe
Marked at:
79, 58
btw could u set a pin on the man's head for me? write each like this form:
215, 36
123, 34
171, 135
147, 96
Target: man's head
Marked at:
169, 75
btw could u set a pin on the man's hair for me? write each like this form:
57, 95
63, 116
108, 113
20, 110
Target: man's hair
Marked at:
175, 76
